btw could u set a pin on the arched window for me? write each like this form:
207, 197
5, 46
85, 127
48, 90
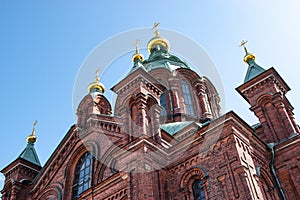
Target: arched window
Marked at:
187, 98
83, 172
198, 190
163, 104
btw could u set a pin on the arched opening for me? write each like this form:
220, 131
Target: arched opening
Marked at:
198, 190
186, 90
163, 104
194, 183
82, 178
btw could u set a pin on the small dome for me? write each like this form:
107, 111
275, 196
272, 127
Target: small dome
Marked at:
31, 139
249, 57
96, 86
137, 57
158, 43
159, 57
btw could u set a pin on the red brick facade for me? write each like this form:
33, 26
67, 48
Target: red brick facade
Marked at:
139, 153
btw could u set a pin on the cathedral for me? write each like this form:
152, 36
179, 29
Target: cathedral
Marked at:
166, 139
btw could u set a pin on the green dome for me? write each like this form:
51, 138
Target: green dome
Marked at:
161, 58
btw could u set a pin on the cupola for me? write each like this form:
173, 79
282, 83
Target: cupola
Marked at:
96, 87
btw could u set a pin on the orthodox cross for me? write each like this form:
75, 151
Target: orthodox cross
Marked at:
227, 164
250, 173
34, 127
155, 27
97, 75
137, 42
243, 44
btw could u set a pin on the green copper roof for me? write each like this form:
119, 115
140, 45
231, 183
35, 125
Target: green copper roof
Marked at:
30, 154
163, 59
174, 127
253, 70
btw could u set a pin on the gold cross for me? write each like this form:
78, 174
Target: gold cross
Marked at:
137, 42
243, 44
155, 27
34, 127
97, 75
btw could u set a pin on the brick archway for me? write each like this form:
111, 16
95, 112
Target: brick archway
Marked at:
188, 178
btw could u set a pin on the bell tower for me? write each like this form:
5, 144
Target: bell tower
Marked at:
137, 103
265, 91
22, 171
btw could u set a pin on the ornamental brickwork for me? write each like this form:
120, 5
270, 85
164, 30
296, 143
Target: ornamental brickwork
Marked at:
167, 140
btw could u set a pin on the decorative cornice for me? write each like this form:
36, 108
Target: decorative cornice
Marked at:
261, 85
139, 81
106, 123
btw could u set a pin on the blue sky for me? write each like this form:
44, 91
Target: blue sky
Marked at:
44, 43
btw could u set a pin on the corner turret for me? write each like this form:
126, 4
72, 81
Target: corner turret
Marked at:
19, 173
265, 91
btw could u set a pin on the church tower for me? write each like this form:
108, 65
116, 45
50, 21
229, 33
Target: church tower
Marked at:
265, 91
22, 171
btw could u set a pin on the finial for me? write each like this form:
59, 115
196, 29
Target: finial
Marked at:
96, 85
155, 27
243, 44
137, 55
97, 75
137, 42
32, 138
248, 56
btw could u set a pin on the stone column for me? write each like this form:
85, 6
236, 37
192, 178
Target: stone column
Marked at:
288, 125
201, 92
177, 101
156, 110
141, 101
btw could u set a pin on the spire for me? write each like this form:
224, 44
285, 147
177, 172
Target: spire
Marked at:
253, 68
158, 42
29, 152
137, 56
96, 86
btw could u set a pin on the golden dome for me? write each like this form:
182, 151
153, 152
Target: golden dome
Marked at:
96, 85
137, 55
248, 57
158, 41
31, 139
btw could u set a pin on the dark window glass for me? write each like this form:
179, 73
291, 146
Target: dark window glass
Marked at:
187, 98
198, 190
82, 180
163, 104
